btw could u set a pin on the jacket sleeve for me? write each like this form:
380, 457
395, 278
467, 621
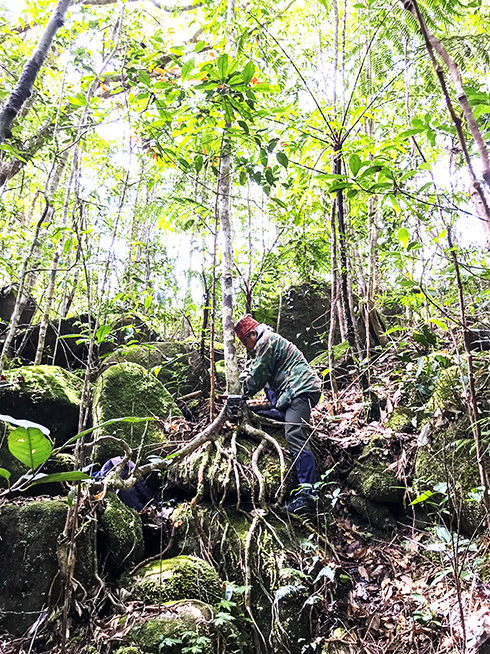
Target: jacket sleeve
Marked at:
260, 373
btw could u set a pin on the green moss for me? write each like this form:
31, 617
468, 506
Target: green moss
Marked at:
372, 479
29, 534
185, 474
376, 514
47, 395
128, 650
447, 391
123, 534
181, 622
178, 578
400, 419
127, 389
451, 454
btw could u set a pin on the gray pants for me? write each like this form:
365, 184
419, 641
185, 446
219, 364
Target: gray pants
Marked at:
297, 418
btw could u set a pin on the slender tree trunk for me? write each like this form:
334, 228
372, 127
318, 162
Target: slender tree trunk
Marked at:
342, 248
224, 196
473, 405
475, 190
333, 306
24, 86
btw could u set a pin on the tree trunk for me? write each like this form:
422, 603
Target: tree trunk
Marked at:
224, 186
23, 89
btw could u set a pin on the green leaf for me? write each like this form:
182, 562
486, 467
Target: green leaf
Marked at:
403, 236
198, 161
481, 109
248, 72
222, 65
442, 325
422, 498
29, 446
144, 78
186, 69
355, 164
371, 170
72, 475
244, 126
282, 158
339, 186
24, 423
112, 421
5, 474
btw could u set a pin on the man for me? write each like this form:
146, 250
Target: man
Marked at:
283, 368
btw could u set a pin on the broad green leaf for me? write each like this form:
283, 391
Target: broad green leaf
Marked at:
371, 170
72, 475
112, 421
5, 474
186, 69
244, 126
422, 498
29, 446
222, 65
339, 186
355, 164
144, 78
282, 158
24, 423
403, 236
481, 109
441, 324
248, 72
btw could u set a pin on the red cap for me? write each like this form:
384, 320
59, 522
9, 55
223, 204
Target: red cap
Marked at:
245, 325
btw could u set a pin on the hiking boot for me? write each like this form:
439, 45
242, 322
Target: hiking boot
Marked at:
302, 504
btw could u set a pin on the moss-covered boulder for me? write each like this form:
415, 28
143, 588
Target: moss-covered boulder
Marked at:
376, 514
122, 533
450, 460
304, 311
371, 476
219, 474
177, 364
181, 624
124, 390
447, 393
47, 395
291, 624
178, 578
29, 539
401, 419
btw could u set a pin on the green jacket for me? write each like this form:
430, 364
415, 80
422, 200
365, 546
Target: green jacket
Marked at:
280, 364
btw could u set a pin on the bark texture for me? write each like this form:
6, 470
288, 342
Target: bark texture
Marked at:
23, 89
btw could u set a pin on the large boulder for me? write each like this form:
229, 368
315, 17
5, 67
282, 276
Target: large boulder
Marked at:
172, 628
448, 465
178, 578
65, 342
29, 576
178, 365
372, 476
8, 298
219, 474
47, 395
128, 390
304, 316
122, 534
